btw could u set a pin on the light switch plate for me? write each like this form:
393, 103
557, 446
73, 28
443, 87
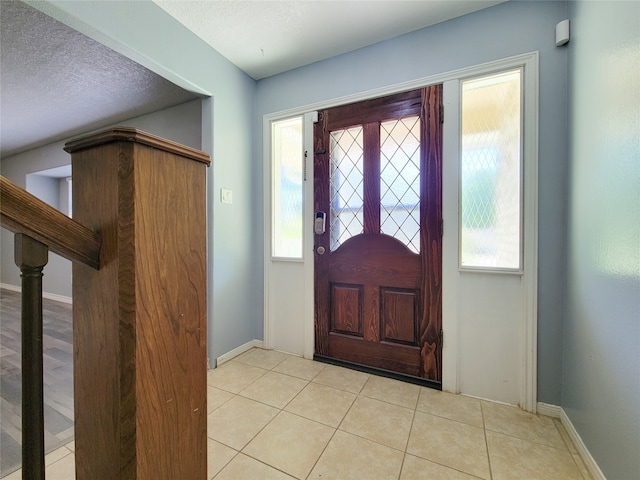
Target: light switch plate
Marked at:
226, 195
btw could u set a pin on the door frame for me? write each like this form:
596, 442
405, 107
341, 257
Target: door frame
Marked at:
451, 148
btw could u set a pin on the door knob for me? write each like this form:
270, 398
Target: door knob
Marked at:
320, 250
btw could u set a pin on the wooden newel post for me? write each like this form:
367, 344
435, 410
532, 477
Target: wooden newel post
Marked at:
31, 256
140, 321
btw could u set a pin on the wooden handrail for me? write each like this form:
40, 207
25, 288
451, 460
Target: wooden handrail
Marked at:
24, 213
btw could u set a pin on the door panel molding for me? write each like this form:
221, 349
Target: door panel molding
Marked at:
396, 302
371, 258
347, 316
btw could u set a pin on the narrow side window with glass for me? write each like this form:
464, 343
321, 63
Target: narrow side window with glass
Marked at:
491, 172
287, 188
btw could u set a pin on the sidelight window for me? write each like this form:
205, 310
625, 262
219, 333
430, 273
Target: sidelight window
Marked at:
288, 178
491, 172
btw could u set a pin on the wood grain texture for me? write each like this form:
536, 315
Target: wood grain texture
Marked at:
401, 289
375, 110
140, 347
96, 333
431, 233
396, 305
403, 359
321, 146
24, 213
347, 309
129, 134
371, 180
171, 273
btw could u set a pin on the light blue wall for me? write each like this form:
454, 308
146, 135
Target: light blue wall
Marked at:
495, 33
145, 33
180, 124
601, 367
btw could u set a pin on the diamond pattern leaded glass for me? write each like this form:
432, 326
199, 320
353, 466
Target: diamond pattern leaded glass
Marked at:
490, 172
400, 180
346, 185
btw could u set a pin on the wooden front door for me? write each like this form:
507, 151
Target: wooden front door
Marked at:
378, 184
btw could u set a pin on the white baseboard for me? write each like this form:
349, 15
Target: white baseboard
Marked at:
238, 351
50, 296
588, 460
555, 411
57, 298
548, 410
11, 288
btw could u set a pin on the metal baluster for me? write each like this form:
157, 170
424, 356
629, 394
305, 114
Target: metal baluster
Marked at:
31, 256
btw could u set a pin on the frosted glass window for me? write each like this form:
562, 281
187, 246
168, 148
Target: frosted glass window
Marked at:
490, 172
287, 206
346, 186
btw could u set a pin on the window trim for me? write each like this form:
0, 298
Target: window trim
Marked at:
521, 254
274, 179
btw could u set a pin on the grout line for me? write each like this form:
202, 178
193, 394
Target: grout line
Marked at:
406, 445
225, 465
486, 442
259, 461
296, 396
322, 453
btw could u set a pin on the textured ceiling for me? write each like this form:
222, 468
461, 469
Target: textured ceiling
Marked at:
264, 38
56, 82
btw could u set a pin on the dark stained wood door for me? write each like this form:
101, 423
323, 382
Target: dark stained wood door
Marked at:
378, 180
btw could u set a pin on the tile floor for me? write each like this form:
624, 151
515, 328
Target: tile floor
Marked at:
277, 416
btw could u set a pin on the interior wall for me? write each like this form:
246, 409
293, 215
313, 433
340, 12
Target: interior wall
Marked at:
180, 124
148, 35
601, 365
509, 29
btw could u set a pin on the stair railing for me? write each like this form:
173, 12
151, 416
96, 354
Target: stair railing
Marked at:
139, 306
38, 228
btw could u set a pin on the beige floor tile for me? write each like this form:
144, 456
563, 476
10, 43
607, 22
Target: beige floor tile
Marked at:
379, 421
236, 422
234, 376
416, 468
63, 469
299, 367
321, 403
342, 378
218, 455
565, 436
350, 457
246, 468
516, 458
454, 407
50, 459
56, 455
259, 357
449, 443
518, 423
274, 389
216, 397
388, 390
17, 475
290, 443
582, 468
